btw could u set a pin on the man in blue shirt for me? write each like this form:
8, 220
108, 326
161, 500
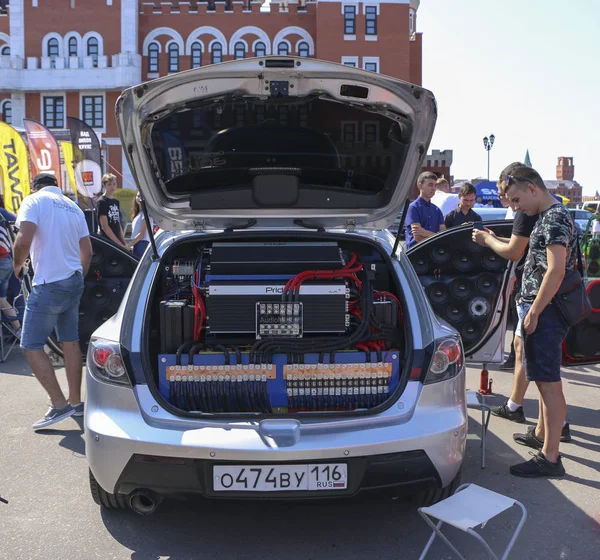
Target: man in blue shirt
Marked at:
423, 218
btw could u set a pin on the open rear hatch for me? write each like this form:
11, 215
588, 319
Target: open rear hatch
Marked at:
273, 318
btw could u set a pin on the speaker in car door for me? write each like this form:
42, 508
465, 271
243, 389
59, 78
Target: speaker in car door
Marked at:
473, 247
479, 308
493, 262
441, 254
463, 261
455, 313
421, 263
461, 288
470, 333
486, 284
437, 293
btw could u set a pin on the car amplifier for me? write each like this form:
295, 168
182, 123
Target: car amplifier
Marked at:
273, 258
254, 307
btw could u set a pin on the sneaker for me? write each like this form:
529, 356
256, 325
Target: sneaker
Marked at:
504, 412
53, 416
509, 363
538, 466
529, 439
78, 408
565, 436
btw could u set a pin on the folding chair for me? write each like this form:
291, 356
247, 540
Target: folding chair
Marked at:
469, 507
477, 400
8, 334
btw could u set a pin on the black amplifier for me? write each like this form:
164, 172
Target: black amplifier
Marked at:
235, 307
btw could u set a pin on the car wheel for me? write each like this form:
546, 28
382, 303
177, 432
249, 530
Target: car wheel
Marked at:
435, 495
103, 498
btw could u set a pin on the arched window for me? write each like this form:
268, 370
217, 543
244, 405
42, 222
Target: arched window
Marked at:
92, 50
303, 49
73, 46
283, 49
53, 51
216, 53
173, 57
153, 58
239, 50
196, 55
7, 112
5, 50
260, 49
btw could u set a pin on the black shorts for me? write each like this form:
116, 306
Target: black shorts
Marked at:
543, 347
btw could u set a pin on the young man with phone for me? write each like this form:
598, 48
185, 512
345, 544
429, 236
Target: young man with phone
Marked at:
464, 212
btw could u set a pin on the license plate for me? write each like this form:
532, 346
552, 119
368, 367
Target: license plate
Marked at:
280, 478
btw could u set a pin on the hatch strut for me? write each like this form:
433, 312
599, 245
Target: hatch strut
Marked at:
150, 230
400, 227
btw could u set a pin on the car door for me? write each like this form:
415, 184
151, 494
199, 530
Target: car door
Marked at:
110, 272
582, 345
467, 286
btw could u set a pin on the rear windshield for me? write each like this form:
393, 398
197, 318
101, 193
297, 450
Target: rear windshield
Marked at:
325, 144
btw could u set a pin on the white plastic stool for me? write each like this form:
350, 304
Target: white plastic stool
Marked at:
469, 507
477, 400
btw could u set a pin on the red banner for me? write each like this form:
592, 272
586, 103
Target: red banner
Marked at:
43, 150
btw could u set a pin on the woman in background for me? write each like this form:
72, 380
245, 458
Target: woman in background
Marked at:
140, 238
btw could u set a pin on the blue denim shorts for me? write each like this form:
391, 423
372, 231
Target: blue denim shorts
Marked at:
49, 307
542, 349
6, 270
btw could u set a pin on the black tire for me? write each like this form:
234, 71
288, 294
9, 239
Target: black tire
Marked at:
435, 495
103, 498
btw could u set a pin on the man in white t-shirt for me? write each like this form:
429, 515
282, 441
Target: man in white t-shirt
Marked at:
443, 198
53, 230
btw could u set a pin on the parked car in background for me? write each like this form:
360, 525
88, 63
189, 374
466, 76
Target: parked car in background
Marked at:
581, 219
592, 206
491, 214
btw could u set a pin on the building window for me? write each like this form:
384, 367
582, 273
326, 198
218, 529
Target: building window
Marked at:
93, 110
349, 20
72, 46
7, 112
371, 64
303, 49
370, 133
5, 50
260, 49
283, 49
54, 112
153, 58
92, 50
239, 50
196, 55
53, 51
351, 61
349, 133
371, 20
217, 53
173, 51
411, 22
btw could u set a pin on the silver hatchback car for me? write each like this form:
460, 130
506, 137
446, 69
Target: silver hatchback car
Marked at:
274, 341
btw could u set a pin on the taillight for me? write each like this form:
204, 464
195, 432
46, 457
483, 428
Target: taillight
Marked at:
446, 361
105, 361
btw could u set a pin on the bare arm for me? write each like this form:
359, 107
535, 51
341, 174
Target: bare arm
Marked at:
109, 232
420, 233
85, 254
139, 236
557, 259
513, 250
122, 234
23, 245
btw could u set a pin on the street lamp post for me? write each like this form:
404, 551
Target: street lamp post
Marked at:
487, 144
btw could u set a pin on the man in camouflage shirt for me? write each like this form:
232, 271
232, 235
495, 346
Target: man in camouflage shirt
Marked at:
552, 253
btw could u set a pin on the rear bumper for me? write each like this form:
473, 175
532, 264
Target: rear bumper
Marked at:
393, 475
406, 447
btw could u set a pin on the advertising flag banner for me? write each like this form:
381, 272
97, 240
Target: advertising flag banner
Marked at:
87, 159
43, 150
67, 150
14, 168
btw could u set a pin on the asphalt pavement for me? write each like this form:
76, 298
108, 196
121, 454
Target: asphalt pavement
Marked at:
51, 515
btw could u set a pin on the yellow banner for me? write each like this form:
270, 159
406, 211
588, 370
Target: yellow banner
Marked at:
14, 168
67, 150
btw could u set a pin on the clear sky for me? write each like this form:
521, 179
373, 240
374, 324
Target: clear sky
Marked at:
527, 71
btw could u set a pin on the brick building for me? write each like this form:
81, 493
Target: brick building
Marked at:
62, 58
565, 183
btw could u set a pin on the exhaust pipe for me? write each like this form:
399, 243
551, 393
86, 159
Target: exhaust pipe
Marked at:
144, 502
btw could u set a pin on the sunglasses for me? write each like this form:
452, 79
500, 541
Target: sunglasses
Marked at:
510, 179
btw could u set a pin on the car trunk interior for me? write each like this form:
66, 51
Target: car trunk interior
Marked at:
274, 323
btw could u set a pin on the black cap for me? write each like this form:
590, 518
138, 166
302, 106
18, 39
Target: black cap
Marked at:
44, 180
